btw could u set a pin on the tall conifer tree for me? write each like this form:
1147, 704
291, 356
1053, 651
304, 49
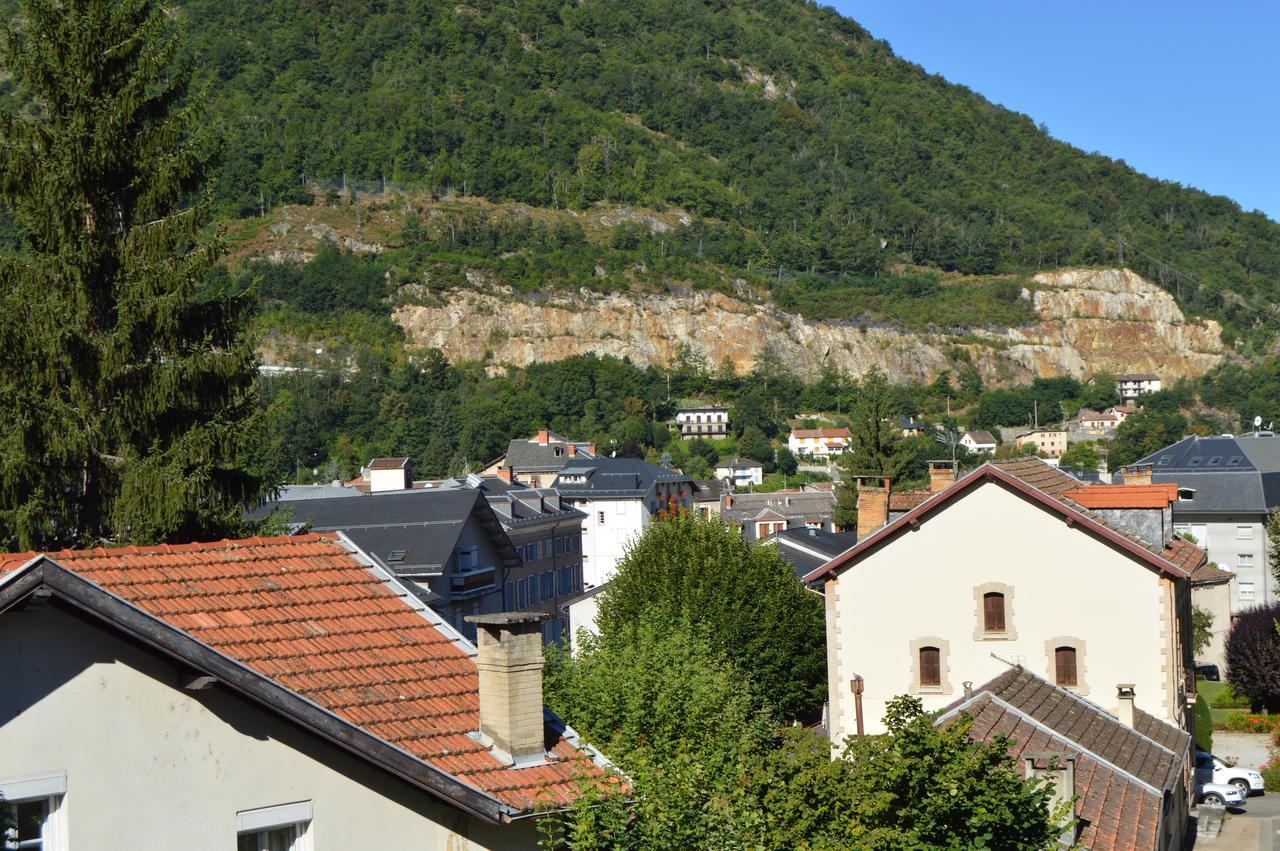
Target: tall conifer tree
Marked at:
126, 394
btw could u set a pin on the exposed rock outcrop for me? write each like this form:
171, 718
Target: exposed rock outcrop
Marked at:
1089, 321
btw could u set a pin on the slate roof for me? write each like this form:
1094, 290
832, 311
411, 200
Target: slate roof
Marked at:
1050, 486
306, 614
740, 464
530, 456
808, 549
614, 478
1121, 773
981, 437
787, 504
517, 506
424, 523
1227, 474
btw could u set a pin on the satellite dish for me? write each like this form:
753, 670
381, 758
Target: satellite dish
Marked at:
1257, 421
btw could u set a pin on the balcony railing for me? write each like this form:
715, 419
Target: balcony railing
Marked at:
473, 582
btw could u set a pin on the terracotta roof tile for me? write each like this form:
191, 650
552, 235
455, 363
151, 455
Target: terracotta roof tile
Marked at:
906, 500
303, 612
1124, 496
802, 433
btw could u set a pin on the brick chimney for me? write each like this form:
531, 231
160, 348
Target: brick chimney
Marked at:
573, 450
509, 661
1125, 692
591, 449
504, 473
544, 436
873, 507
942, 475
1137, 474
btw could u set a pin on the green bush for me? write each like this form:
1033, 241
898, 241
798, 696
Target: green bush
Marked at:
1271, 773
1243, 722
1204, 725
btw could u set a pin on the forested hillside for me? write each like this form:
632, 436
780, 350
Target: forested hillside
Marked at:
802, 139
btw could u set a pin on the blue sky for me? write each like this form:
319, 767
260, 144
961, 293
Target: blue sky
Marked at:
1181, 91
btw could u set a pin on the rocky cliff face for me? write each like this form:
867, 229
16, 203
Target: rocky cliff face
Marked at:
1090, 321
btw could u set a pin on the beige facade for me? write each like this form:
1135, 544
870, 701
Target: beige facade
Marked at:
1050, 442
149, 765
1064, 588
1216, 600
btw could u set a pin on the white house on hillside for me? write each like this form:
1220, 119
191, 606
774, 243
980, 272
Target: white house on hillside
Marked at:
740, 472
818, 442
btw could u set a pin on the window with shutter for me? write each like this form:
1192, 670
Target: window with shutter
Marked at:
993, 612
930, 667
1064, 664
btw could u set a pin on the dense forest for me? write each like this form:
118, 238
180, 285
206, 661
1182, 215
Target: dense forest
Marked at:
802, 135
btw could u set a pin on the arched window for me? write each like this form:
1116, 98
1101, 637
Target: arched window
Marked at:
1064, 666
930, 667
993, 611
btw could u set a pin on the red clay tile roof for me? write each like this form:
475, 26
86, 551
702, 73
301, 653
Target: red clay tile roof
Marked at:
1120, 774
802, 433
907, 500
303, 612
1124, 496
1190, 558
388, 463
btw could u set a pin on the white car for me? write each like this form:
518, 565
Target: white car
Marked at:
1219, 795
1212, 769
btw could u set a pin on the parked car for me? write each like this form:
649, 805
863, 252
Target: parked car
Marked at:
1214, 770
1208, 672
1219, 795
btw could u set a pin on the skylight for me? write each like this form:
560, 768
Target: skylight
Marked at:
1195, 462
1235, 461
397, 555
1165, 459
1215, 460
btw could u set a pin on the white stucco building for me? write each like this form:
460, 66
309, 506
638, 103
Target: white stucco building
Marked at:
818, 442
1003, 568
281, 693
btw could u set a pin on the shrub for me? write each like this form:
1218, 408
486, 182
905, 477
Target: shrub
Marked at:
1271, 773
1253, 657
1250, 723
1228, 699
1204, 725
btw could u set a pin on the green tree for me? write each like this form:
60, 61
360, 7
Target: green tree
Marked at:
785, 460
875, 447
930, 786
1273, 542
1253, 656
756, 446
1203, 724
127, 394
755, 610
1201, 626
1081, 456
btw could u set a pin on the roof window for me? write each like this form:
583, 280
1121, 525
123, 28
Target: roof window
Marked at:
1195, 462
1164, 459
1234, 461
1215, 460
397, 555
1186, 494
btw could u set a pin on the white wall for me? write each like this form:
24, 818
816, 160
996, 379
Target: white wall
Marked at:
1066, 583
150, 766
604, 544
1218, 536
582, 616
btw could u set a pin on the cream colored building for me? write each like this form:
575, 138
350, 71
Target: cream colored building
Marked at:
818, 442
1051, 442
1003, 569
272, 693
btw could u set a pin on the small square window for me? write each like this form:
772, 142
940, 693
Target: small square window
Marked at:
1246, 591
282, 828
1244, 560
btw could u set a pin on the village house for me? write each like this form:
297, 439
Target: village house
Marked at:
538, 460
1127, 770
1227, 489
760, 515
1006, 566
447, 545
740, 472
547, 535
709, 422
979, 442
1100, 422
818, 443
1131, 386
1051, 442
620, 497
284, 693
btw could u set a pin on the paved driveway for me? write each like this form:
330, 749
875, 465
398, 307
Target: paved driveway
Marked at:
1257, 826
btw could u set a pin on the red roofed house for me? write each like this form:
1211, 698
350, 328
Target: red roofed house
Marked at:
281, 693
1005, 566
818, 442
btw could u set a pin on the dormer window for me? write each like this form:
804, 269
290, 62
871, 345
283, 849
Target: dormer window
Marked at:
1186, 494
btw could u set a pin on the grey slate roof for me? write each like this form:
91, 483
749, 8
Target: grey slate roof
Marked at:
806, 550
614, 478
517, 506
424, 523
529, 456
1228, 474
789, 504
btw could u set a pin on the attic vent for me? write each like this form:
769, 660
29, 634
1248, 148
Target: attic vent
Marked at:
1195, 462
397, 555
1165, 459
1235, 461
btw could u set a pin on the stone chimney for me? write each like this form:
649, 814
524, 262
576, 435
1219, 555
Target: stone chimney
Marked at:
1060, 770
1124, 691
509, 661
1137, 474
942, 475
873, 507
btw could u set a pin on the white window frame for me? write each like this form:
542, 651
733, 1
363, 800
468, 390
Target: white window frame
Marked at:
1245, 560
1246, 595
51, 787
298, 814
